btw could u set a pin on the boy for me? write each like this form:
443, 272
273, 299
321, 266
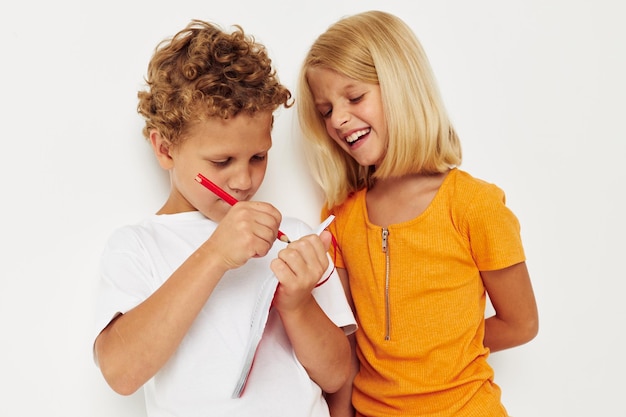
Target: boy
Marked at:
178, 290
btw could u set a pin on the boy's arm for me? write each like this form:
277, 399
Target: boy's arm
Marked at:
135, 345
516, 319
340, 402
321, 346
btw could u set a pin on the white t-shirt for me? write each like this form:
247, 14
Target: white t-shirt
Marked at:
200, 377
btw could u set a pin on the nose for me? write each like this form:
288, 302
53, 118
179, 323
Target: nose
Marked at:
241, 179
340, 116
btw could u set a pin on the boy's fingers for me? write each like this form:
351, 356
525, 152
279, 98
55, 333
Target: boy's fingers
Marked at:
326, 238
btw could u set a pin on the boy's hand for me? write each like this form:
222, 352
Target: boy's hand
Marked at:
298, 268
248, 230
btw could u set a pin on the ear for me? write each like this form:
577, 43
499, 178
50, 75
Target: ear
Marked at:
162, 149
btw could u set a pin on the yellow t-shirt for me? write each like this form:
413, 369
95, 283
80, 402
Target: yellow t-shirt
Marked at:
420, 305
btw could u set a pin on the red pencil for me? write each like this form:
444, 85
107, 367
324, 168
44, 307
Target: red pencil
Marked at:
229, 199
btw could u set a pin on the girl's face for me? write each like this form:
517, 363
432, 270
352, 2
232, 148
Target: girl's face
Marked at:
232, 153
353, 114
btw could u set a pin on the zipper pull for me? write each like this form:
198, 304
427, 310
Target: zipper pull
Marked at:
385, 234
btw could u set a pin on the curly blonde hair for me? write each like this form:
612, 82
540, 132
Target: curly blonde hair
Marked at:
378, 48
203, 72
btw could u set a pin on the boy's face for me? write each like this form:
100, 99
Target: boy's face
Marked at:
232, 153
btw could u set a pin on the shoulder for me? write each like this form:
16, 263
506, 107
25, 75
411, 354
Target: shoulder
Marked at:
473, 201
350, 215
126, 234
479, 206
347, 206
469, 190
465, 181
152, 227
128, 240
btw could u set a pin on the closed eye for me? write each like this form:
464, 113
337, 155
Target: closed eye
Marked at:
326, 113
221, 163
357, 99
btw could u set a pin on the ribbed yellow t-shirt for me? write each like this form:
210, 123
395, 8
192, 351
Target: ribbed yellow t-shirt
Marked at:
420, 306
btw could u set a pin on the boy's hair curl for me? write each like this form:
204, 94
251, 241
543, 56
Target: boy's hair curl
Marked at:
203, 72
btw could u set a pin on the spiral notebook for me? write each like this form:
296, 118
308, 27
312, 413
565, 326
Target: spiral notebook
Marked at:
258, 321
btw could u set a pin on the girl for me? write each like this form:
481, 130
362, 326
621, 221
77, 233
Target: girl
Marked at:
420, 243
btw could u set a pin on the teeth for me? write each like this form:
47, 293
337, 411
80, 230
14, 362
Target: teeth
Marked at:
356, 135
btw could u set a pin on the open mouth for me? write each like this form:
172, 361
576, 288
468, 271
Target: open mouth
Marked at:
356, 136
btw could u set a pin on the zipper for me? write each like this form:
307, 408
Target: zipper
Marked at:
385, 248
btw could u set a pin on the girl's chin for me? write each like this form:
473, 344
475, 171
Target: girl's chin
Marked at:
366, 162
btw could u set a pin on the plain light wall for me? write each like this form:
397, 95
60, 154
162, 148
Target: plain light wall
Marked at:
535, 88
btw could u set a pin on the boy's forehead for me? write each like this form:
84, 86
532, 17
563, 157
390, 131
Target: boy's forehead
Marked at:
225, 135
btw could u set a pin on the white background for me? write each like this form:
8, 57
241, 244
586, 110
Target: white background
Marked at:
535, 88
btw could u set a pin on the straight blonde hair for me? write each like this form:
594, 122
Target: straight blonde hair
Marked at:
378, 48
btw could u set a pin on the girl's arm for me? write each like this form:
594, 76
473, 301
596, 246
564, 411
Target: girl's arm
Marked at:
516, 319
320, 346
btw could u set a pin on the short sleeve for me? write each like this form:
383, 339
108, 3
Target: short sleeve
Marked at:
122, 284
493, 230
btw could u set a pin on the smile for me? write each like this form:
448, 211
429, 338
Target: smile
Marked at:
356, 135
